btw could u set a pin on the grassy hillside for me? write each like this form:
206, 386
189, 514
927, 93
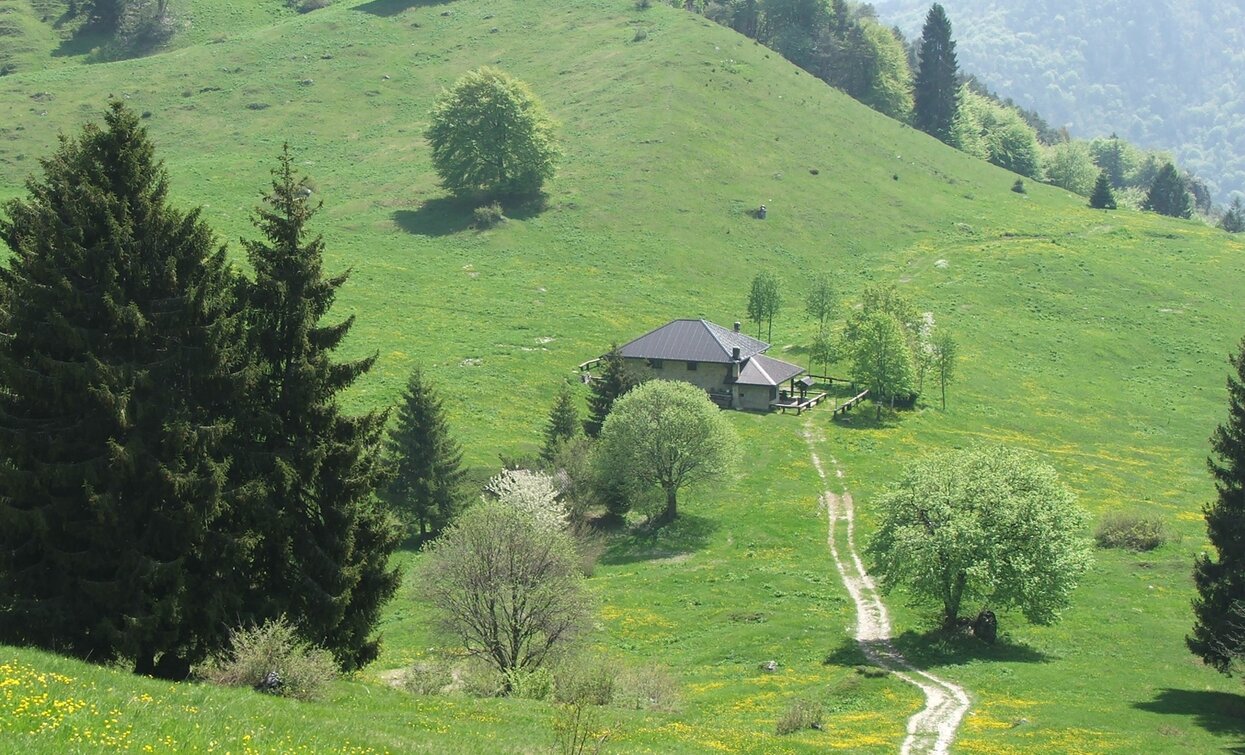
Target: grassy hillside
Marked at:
1095, 338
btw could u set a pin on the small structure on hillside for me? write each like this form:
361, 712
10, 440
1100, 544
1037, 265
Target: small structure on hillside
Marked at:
730, 365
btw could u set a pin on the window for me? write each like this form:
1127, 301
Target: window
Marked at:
655, 364
691, 366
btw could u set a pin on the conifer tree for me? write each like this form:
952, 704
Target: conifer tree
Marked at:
615, 380
118, 369
1233, 220
426, 486
563, 423
1168, 195
1102, 198
936, 90
326, 542
1219, 608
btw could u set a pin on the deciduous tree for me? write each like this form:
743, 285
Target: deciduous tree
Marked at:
764, 300
881, 358
987, 527
668, 435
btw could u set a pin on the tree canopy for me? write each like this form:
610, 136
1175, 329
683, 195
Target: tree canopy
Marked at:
1168, 194
491, 136
936, 90
983, 528
668, 435
764, 300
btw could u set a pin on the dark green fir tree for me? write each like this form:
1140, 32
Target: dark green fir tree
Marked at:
1233, 220
563, 423
616, 378
1219, 608
1102, 198
426, 489
324, 557
1168, 194
118, 366
936, 89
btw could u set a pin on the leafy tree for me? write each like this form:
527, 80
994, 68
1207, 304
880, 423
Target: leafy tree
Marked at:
946, 352
324, 558
787, 26
821, 301
1069, 165
1221, 580
562, 425
119, 368
764, 300
881, 358
669, 435
1103, 197
534, 493
490, 136
426, 487
506, 587
1168, 195
1233, 220
989, 527
936, 93
1116, 157
823, 350
889, 89
616, 378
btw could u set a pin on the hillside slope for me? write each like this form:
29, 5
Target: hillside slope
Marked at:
1162, 75
1096, 338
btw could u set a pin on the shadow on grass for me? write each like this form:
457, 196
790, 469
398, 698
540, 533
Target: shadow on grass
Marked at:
865, 417
445, 216
394, 7
686, 534
938, 648
1216, 712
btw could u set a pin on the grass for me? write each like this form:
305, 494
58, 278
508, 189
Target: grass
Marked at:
1095, 338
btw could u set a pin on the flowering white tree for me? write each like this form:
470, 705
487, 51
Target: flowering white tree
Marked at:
534, 493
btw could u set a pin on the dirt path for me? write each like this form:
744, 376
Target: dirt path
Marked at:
931, 729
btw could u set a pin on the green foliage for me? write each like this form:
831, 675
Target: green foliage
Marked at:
491, 136
881, 358
946, 353
989, 527
936, 90
505, 587
800, 715
118, 538
426, 484
313, 470
667, 435
1070, 165
487, 216
764, 300
997, 133
1220, 578
272, 657
889, 89
1103, 198
1233, 220
562, 425
1131, 531
616, 378
1168, 194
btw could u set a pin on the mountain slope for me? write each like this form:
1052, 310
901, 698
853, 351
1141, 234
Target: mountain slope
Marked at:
1162, 75
1096, 338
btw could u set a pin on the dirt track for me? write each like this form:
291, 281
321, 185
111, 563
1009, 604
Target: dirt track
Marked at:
933, 728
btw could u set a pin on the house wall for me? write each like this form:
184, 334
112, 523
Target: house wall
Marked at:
754, 397
707, 375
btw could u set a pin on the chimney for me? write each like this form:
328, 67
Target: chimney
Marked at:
735, 353
737, 326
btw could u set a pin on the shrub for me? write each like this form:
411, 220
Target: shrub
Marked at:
577, 729
273, 658
477, 678
647, 688
487, 216
643, 4
583, 679
1130, 531
1019, 186
427, 678
533, 684
640, 35
800, 715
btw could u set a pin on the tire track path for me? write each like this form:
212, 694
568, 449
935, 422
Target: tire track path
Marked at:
931, 729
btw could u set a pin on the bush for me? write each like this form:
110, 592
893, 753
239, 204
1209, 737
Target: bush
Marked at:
1019, 186
477, 678
800, 715
487, 216
427, 678
1130, 531
647, 688
587, 680
273, 658
643, 4
533, 684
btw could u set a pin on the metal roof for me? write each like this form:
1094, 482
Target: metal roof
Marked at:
763, 370
693, 341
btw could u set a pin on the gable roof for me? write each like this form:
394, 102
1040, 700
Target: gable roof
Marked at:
763, 370
693, 341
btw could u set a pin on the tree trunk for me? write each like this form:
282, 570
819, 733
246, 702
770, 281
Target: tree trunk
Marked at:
951, 602
944, 395
671, 510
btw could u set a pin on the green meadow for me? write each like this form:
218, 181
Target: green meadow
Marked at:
1098, 339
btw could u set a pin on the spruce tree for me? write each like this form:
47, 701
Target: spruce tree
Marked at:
323, 559
426, 486
563, 423
615, 380
936, 90
1218, 636
1233, 220
1168, 195
1102, 198
118, 369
